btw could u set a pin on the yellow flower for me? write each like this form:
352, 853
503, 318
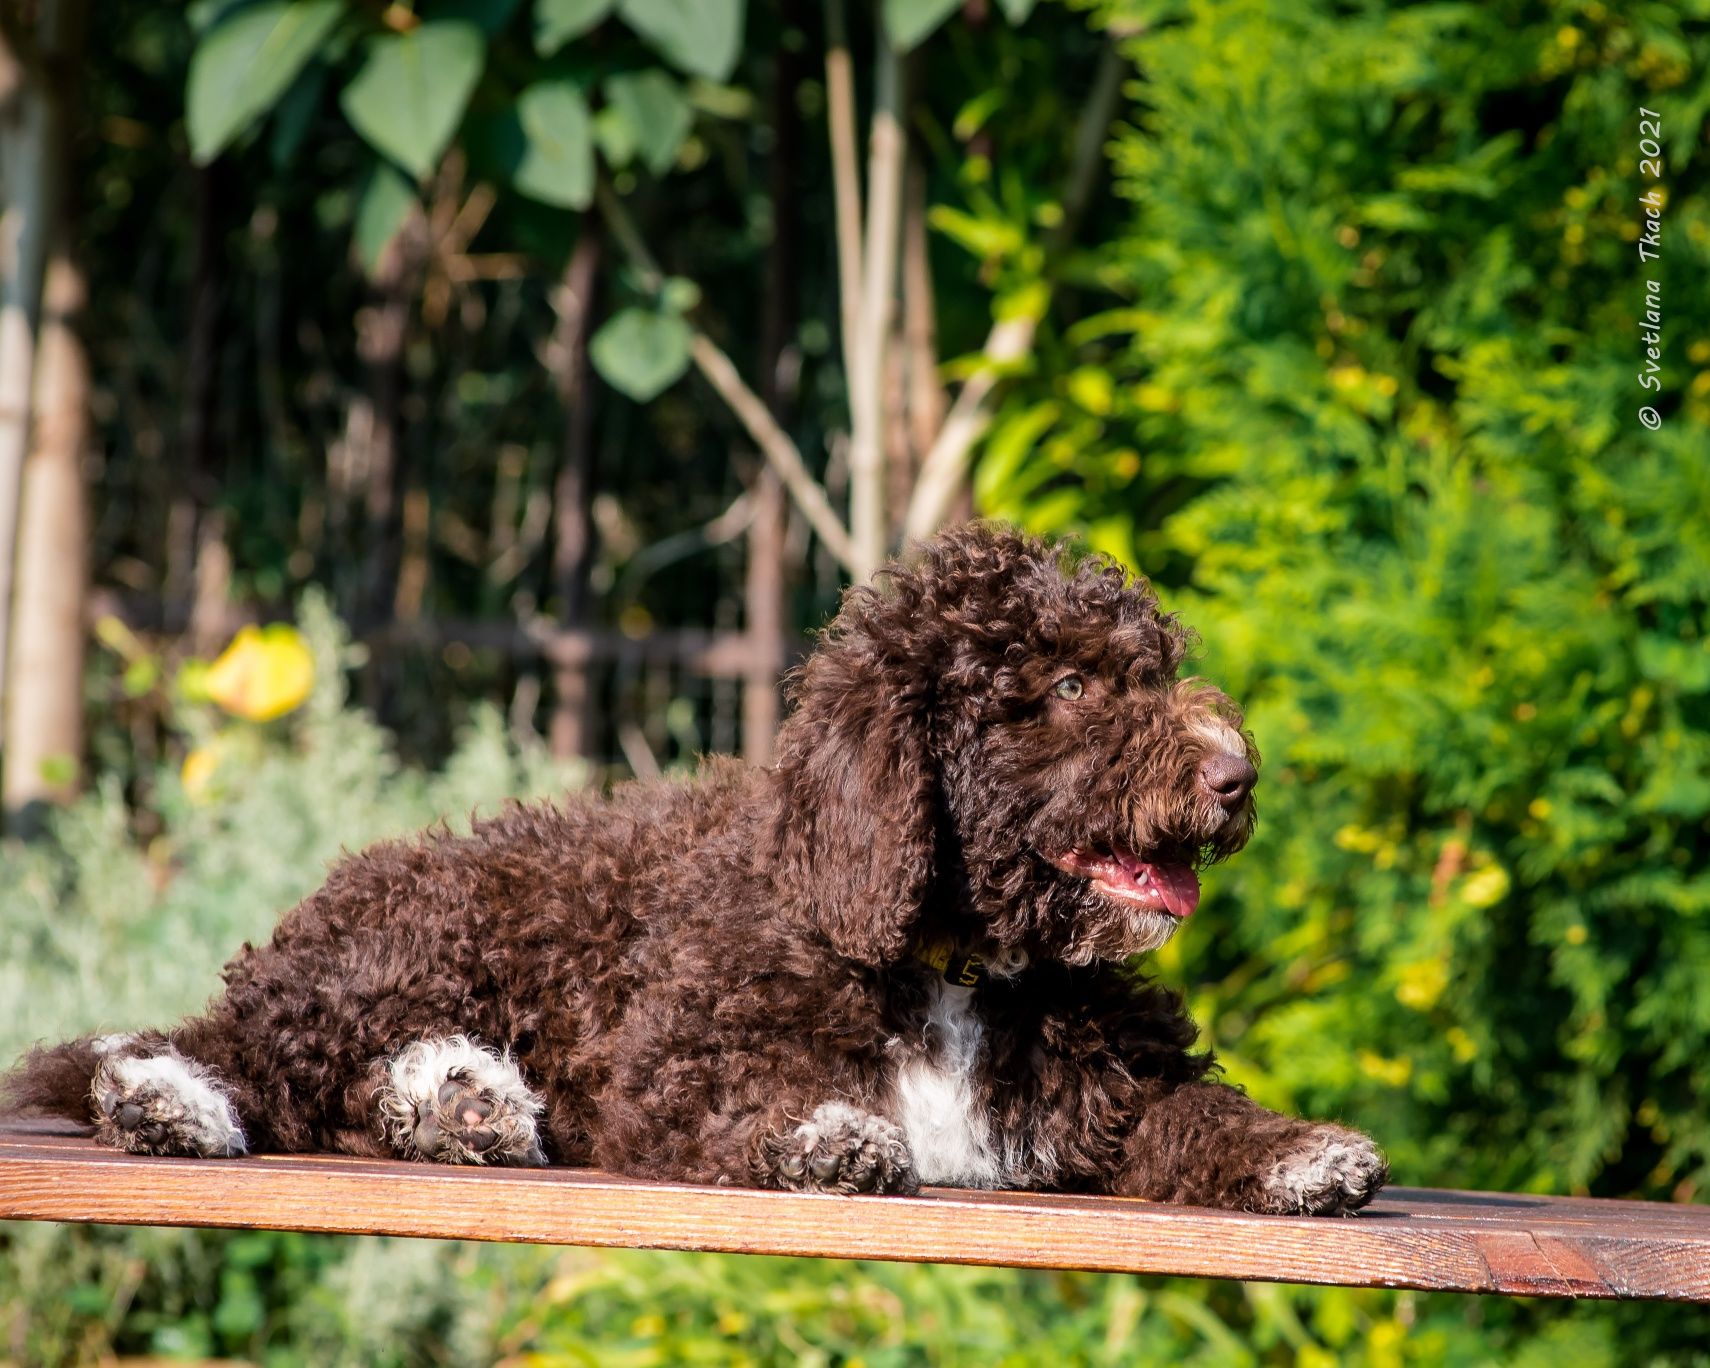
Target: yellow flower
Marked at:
1421, 983
1394, 1072
198, 771
1155, 398
263, 674
1485, 888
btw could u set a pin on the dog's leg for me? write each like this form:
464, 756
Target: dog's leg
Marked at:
1207, 1144
839, 1148
148, 1097
457, 1102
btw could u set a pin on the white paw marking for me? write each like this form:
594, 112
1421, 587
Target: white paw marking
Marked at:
1330, 1170
846, 1149
187, 1096
950, 1131
418, 1071
839, 1118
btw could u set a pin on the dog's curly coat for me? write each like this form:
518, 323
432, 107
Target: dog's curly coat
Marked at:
895, 957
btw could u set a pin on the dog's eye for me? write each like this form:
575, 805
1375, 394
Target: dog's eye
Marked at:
1070, 687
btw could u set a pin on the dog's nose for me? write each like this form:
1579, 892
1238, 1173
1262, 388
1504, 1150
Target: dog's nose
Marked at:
1227, 778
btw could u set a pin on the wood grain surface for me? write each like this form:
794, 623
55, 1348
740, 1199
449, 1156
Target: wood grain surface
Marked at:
1450, 1241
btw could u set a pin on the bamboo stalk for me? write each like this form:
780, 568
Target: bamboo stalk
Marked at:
575, 303
44, 722
766, 571
32, 143
35, 142
845, 179
927, 402
885, 158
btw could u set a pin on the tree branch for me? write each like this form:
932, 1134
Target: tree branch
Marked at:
946, 465
721, 373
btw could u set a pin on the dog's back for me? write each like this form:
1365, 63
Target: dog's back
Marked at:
527, 931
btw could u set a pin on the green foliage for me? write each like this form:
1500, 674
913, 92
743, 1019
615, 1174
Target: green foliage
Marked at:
556, 22
381, 208
908, 22
701, 37
1364, 401
85, 909
641, 351
655, 113
409, 94
245, 63
557, 162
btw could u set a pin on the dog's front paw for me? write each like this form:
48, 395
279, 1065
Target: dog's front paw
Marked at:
456, 1102
1329, 1171
841, 1149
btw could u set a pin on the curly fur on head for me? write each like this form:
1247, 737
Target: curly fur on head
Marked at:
933, 736
897, 956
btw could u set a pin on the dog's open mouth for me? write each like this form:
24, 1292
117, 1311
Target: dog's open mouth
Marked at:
1162, 886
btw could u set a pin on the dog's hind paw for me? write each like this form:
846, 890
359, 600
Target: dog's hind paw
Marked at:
453, 1101
842, 1149
164, 1104
1330, 1171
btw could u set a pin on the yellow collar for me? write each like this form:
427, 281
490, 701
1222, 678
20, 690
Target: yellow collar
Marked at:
957, 963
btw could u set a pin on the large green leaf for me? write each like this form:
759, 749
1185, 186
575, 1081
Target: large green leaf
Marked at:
380, 212
410, 94
641, 352
245, 63
556, 22
657, 114
909, 21
556, 160
701, 37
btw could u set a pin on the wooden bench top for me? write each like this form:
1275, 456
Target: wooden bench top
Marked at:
1411, 1237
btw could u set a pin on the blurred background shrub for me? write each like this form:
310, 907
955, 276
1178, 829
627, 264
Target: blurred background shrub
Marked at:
1330, 320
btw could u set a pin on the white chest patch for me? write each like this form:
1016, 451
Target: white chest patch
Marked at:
951, 1133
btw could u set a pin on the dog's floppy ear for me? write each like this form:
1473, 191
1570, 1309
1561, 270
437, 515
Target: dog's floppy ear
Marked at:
854, 829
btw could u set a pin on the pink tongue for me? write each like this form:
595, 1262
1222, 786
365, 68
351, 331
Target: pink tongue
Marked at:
1179, 887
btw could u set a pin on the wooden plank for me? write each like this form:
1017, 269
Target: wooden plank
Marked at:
1445, 1241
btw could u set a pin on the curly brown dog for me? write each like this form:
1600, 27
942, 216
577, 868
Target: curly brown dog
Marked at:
897, 957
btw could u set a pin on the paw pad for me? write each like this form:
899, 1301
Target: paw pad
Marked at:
455, 1102
460, 1119
164, 1104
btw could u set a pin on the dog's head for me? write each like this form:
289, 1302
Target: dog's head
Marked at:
995, 736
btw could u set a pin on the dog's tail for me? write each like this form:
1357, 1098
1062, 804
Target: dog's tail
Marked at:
54, 1080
